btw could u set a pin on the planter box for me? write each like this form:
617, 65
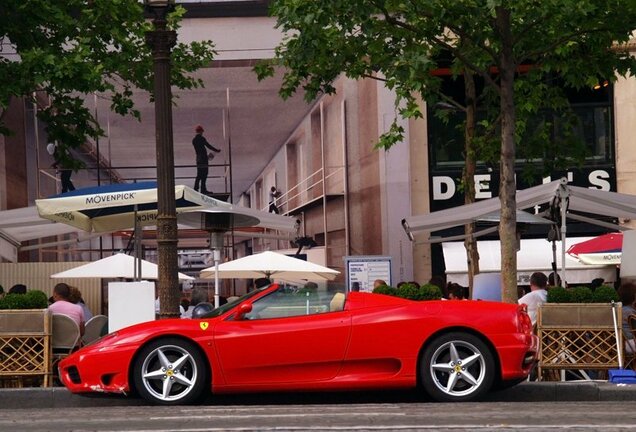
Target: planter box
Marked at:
25, 346
577, 336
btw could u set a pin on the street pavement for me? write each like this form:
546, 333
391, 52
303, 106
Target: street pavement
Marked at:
589, 391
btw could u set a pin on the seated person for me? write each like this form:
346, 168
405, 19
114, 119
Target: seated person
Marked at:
18, 289
378, 283
537, 295
76, 297
261, 282
187, 310
158, 308
62, 305
456, 292
627, 294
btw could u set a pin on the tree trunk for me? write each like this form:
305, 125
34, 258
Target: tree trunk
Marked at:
507, 187
470, 242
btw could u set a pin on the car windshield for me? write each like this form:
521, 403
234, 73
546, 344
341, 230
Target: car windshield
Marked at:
229, 305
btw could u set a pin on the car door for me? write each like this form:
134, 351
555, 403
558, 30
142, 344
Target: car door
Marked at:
283, 342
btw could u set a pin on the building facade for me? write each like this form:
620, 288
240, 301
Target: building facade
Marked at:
349, 196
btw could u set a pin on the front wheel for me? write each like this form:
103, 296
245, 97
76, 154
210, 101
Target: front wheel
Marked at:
457, 367
170, 372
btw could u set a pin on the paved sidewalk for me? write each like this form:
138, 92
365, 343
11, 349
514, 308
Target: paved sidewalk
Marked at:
59, 397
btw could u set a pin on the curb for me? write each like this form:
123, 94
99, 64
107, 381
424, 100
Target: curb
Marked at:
59, 397
568, 391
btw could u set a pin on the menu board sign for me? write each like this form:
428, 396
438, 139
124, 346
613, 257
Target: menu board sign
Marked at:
364, 270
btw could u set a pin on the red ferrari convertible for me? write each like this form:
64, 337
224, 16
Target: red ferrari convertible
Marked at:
279, 339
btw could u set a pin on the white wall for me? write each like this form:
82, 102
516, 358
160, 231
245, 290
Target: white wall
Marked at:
234, 38
396, 191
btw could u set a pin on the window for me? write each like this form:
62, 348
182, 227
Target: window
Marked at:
589, 126
291, 301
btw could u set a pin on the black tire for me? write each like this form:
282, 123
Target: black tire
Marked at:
170, 359
457, 367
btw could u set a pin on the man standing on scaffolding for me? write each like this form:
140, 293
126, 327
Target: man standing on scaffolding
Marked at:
200, 143
63, 166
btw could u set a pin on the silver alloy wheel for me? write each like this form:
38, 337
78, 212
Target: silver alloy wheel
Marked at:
458, 368
169, 373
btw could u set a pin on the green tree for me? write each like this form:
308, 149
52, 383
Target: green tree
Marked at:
400, 42
71, 48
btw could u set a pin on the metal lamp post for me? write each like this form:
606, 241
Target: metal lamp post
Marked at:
161, 40
217, 225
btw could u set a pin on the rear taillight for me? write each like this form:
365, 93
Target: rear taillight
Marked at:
524, 324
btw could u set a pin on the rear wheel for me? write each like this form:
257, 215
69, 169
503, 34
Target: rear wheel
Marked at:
170, 372
457, 367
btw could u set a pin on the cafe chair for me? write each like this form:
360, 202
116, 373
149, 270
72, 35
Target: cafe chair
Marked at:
65, 335
93, 328
630, 344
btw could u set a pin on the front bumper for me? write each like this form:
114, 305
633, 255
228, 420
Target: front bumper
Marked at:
100, 370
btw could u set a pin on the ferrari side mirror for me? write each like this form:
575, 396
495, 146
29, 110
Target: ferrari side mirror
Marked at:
243, 309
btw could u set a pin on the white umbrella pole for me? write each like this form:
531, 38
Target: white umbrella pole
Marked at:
137, 262
619, 341
217, 259
216, 244
563, 194
554, 261
563, 234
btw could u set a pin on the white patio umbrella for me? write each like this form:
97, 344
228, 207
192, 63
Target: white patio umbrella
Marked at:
271, 265
115, 266
235, 216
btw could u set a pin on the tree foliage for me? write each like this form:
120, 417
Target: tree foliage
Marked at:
71, 48
401, 43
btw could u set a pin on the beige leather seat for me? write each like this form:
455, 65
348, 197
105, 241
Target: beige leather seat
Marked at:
337, 302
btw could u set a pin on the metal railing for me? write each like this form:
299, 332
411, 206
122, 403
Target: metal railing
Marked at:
301, 191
